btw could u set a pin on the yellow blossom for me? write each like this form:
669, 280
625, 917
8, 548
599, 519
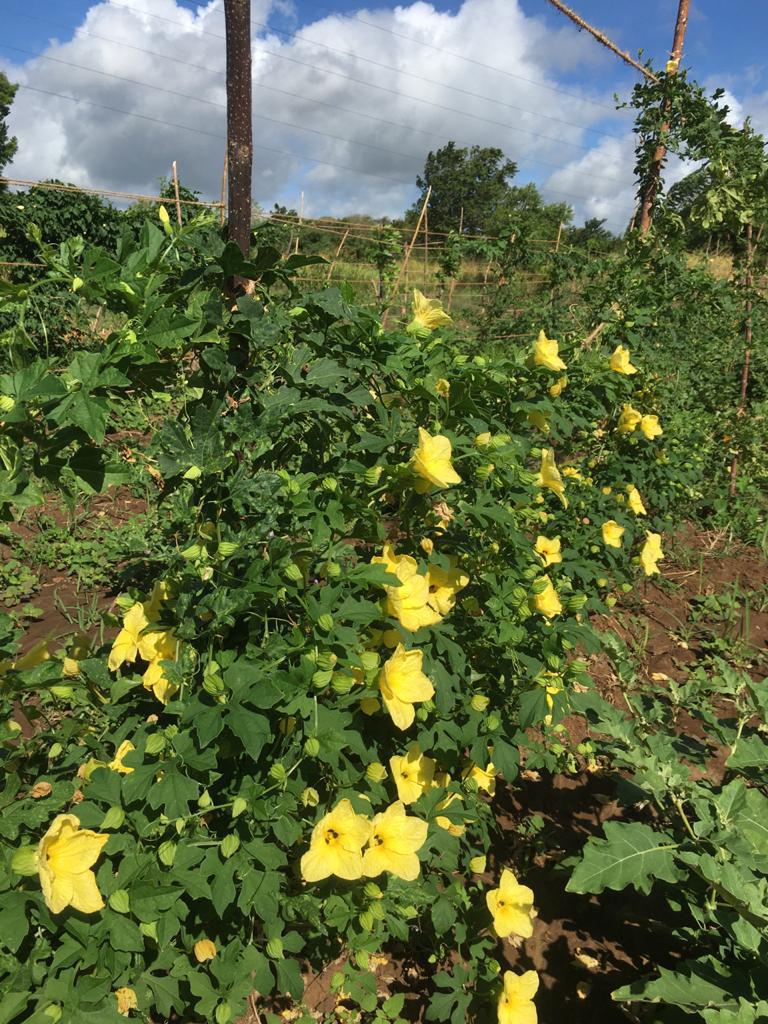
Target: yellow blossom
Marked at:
432, 462
454, 828
551, 691
477, 865
572, 472
545, 353
483, 440
126, 644
511, 906
485, 778
651, 553
549, 550
205, 949
629, 420
161, 592
620, 363
117, 764
428, 314
443, 387
162, 644
394, 843
549, 475
444, 584
546, 601
409, 602
427, 545
126, 1001
403, 684
634, 501
612, 533
650, 426
516, 1001
413, 773
558, 387
336, 845
65, 855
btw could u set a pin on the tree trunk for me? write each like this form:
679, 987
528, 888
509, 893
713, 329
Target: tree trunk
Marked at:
239, 131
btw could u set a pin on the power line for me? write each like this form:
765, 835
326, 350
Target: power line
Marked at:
284, 92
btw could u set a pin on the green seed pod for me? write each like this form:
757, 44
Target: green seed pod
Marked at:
223, 1013
24, 860
500, 440
326, 660
56, 750
370, 660
492, 722
119, 901
366, 921
479, 702
372, 891
275, 948
576, 602
114, 818
309, 797
278, 773
373, 475
6, 403
375, 772
167, 852
332, 570
342, 683
312, 746
293, 573
212, 682
239, 806
204, 800
429, 706
193, 552
330, 483
229, 844
321, 679
227, 548
363, 959
54, 1012
377, 911
325, 622
148, 929
155, 743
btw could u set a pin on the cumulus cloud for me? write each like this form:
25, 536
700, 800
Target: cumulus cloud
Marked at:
345, 108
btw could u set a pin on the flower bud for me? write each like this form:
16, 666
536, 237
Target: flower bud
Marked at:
480, 702
332, 570
326, 660
576, 602
330, 483
149, 929
155, 743
223, 1013
493, 967
484, 472
229, 845
484, 439
611, 600
426, 545
40, 790
366, 921
204, 950
477, 865
113, 819
278, 773
373, 475
321, 678
239, 806
342, 683
293, 573
56, 750
54, 1012
204, 800
275, 948
119, 901
492, 722
227, 548
325, 622
310, 797
375, 772
312, 746
428, 705
24, 861
372, 891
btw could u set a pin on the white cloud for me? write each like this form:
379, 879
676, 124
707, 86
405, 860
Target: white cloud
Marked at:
389, 122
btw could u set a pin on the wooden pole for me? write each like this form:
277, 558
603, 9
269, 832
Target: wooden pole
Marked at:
336, 255
404, 265
237, 15
601, 37
559, 235
301, 218
223, 208
747, 350
452, 289
426, 248
175, 176
654, 174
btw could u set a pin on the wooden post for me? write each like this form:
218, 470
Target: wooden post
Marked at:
559, 234
237, 15
175, 176
747, 350
654, 174
223, 206
426, 248
301, 218
336, 255
601, 37
404, 265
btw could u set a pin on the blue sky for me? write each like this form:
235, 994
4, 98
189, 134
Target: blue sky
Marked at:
346, 112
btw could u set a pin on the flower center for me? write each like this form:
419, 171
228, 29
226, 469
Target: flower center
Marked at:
331, 836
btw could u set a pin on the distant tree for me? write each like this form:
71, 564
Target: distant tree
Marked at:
475, 179
524, 212
8, 143
592, 235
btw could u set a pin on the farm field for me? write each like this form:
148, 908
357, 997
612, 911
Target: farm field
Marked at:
384, 601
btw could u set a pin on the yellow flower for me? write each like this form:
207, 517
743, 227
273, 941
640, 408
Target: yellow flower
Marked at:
483, 440
634, 501
80, 648
205, 949
558, 387
117, 764
540, 420
516, 1000
409, 602
395, 840
612, 533
477, 865
651, 553
126, 1001
403, 684
428, 314
443, 387
628, 420
549, 550
126, 644
511, 906
65, 855
650, 427
336, 845
443, 779
427, 545
549, 475
546, 601
161, 592
551, 691
620, 363
572, 472
413, 773
444, 584
432, 462
484, 777
545, 353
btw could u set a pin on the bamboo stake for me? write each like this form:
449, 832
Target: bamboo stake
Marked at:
426, 248
336, 255
404, 265
654, 174
747, 351
559, 234
301, 218
601, 37
175, 176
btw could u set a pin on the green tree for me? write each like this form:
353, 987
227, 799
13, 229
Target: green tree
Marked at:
475, 180
8, 143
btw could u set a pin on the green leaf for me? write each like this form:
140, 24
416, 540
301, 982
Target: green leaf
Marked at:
443, 915
696, 985
124, 935
251, 729
631, 854
174, 793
